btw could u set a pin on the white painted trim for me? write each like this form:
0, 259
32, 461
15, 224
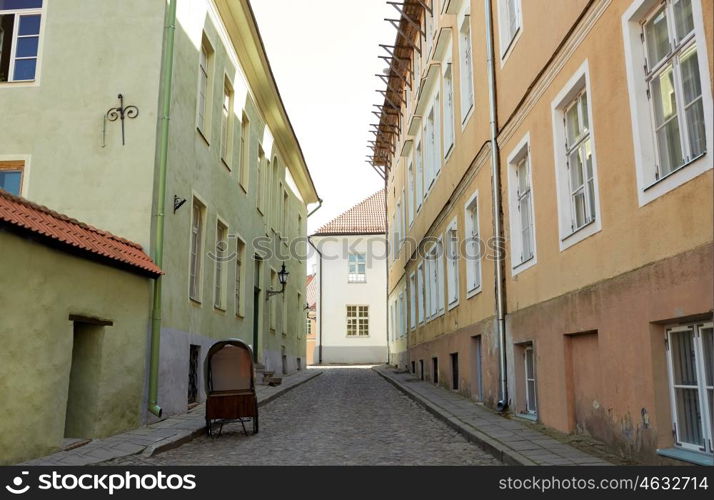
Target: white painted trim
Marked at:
42, 12
453, 225
567, 238
513, 41
643, 135
521, 149
473, 199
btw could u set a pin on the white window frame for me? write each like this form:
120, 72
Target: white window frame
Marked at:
412, 300
451, 254
531, 412
569, 234
449, 134
648, 187
204, 113
353, 274
522, 150
421, 291
700, 367
466, 64
419, 172
402, 315
195, 251
358, 317
410, 191
472, 237
435, 265
239, 283
227, 122
41, 11
508, 40
220, 272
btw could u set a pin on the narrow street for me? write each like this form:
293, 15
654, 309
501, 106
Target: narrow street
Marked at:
346, 416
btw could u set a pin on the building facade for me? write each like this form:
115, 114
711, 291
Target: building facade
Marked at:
561, 157
311, 319
74, 321
351, 282
201, 164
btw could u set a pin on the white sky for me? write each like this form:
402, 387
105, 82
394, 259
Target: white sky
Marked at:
324, 57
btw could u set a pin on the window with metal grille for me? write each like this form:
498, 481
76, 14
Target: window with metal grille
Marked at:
193, 358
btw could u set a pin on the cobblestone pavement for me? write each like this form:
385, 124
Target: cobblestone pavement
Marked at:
346, 416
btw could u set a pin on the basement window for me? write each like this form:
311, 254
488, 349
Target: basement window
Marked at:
20, 23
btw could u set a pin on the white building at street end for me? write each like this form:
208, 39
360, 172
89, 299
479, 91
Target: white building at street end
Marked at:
352, 286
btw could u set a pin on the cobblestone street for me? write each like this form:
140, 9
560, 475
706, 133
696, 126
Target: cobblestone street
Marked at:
346, 416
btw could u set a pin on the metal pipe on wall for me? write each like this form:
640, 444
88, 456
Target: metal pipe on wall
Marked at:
497, 211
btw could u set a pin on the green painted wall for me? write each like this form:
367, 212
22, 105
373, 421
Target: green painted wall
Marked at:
40, 288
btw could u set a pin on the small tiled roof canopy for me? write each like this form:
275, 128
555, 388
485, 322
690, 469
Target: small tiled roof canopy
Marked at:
53, 228
367, 217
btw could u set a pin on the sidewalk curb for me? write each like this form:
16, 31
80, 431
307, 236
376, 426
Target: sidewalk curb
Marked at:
174, 442
484, 441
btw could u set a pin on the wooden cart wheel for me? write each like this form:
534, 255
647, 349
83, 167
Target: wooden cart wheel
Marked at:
255, 424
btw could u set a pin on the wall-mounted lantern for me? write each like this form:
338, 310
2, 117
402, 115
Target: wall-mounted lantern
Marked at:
283, 279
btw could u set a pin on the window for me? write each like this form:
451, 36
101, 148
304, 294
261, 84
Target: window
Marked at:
238, 291
285, 210
259, 180
11, 173
402, 315
357, 321
357, 268
435, 267
690, 356
308, 326
448, 110
509, 23
419, 176
412, 300
244, 150
420, 289
227, 123
452, 264
466, 66
668, 82
432, 135
410, 184
575, 163
473, 246
398, 228
530, 381
195, 266
221, 252
273, 303
20, 23
521, 208
674, 86
205, 86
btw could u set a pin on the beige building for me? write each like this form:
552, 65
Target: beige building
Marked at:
585, 303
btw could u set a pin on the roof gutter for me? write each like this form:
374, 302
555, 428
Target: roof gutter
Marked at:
318, 207
162, 161
497, 212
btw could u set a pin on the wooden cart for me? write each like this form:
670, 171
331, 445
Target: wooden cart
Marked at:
230, 386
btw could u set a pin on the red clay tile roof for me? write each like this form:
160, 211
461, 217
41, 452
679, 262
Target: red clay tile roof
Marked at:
311, 291
367, 217
67, 232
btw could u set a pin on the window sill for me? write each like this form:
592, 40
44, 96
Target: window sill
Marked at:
240, 316
473, 292
219, 309
523, 265
203, 135
20, 83
533, 417
466, 117
673, 172
195, 301
505, 54
242, 186
576, 231
453, 304
687, 456
226, 164
358, 336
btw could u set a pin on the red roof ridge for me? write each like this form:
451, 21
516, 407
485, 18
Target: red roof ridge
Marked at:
365, 217
39, 219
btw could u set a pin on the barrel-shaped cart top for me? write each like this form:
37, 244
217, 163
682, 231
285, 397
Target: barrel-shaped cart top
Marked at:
229, 367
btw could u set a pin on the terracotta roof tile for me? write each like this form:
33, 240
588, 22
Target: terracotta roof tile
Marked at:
24, 214
367, 217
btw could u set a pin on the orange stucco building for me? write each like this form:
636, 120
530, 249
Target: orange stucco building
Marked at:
549, 192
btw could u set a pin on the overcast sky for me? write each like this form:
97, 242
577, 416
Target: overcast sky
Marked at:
324, 57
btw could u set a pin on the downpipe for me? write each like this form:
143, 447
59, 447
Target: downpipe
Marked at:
497, 213
166, 77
